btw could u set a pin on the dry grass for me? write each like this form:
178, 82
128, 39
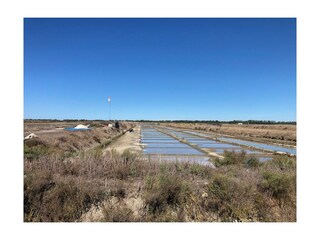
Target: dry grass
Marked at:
60, 189
66, 177
40, 125
68, 143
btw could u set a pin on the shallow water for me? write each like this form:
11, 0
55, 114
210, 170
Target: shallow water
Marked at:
261, 145
163, 146
199, 134
170, 150
251, 143
146, 140
262, 159
160, 144
203, 160
216, 145
77, 129
237, 150
201, 140
204, 141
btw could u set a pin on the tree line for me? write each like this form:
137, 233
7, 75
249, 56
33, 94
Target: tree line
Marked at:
215, 122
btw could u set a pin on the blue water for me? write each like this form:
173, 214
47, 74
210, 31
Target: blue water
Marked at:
214, 145
237, 150
200, 140
179, 151
165, 145
199, 134
159, 141
203, 160
261, 145
262, 159
253, 144
77, 129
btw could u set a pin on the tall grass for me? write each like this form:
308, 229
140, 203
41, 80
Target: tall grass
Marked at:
66, 189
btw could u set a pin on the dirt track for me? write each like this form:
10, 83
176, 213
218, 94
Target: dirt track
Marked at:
130, 140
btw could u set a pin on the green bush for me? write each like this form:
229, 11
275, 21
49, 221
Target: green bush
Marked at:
231, 158
234, 200
96, 153
165, 190
221, 186
253, 162
46, 201
283, 163
128, 156
278, 184
200, 170
34, 151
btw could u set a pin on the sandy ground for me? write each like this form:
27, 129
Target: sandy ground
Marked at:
129, 140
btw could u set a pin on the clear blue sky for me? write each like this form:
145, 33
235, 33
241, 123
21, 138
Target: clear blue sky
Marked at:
209, 69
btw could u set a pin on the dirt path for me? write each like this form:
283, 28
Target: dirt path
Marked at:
130, 140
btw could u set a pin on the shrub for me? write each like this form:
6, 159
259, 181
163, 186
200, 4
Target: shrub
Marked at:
95, 153
165, 190
232, 199
231, 158
62, 139
118, 190
219, 187
283, 163
35, 148
128, 156
200, 170
35, 186
66, 202
96, 139
33, 142
117, 213
46, 200
278, 184
253, 162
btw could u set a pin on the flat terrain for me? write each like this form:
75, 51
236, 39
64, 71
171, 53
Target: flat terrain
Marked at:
42, 126
53, 139
129, 141
76, 176
280, 134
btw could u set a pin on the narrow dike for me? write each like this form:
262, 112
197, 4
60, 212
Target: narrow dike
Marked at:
264, 150
108, 141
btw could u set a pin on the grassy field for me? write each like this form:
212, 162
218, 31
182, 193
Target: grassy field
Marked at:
87, 185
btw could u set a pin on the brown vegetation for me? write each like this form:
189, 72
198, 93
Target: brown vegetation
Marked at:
68, 143
130, 188
68, 178
35, 126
